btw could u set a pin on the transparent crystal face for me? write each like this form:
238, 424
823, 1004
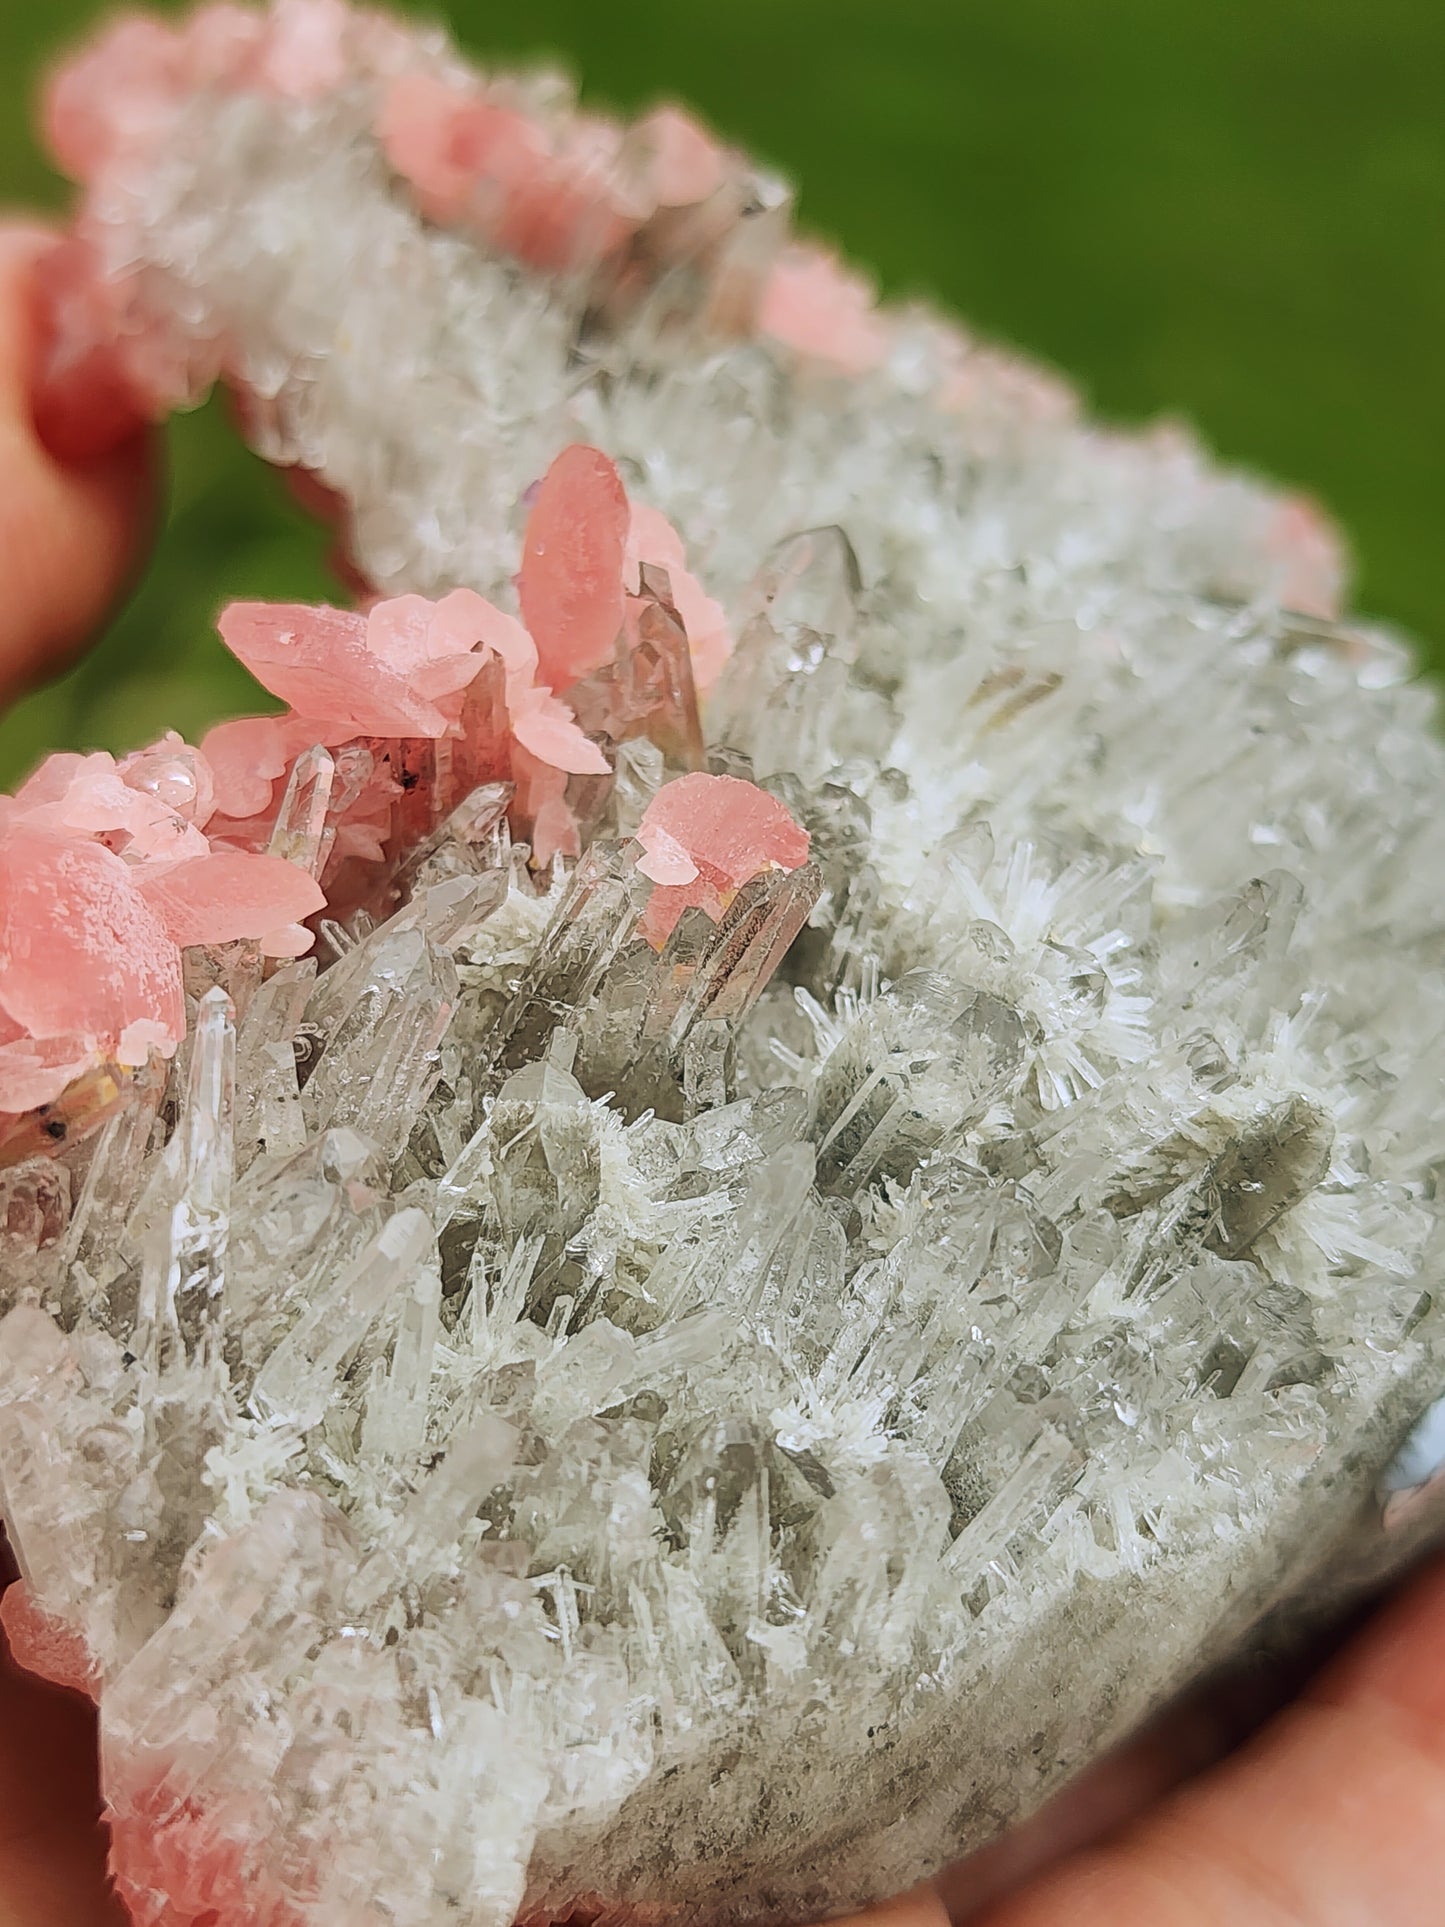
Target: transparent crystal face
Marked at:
522, 1414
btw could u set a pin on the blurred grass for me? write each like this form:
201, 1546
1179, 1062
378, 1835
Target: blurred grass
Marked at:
1229, 209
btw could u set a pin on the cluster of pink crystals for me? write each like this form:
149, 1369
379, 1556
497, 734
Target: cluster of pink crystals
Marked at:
566, 193
106, 874
558, 195
118, 97
585, 190
422, 701
109, 870
562, 192
110, 107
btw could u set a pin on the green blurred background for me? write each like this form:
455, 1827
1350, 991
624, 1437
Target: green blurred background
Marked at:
1229, 209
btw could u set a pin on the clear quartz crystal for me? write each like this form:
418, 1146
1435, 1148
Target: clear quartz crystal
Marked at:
528, 1417
300, 835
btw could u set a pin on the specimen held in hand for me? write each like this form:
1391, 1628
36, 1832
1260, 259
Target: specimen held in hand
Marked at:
770, 1161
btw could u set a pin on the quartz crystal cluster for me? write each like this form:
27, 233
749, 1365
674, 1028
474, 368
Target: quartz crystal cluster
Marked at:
772, 1160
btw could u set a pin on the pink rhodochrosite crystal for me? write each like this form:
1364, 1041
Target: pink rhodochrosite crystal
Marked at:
771, 1160
813, 304
704, 837
86, 964
98, 974
101, 886
226, 896
572, 562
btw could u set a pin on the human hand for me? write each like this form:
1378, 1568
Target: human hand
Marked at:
1333, 1815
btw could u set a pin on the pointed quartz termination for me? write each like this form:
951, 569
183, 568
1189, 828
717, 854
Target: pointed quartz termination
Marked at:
112, 1184
1028, 1492
398, 1403
268, 1100
1274, 1162
647, 689
184, 1271
789, 693
295, 1384
472, 839
379, 1059
301, 835
480, 1453
300, 1222
641, 950
595, 920
374, 1025
917, 1065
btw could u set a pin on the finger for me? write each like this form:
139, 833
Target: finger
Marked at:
70, 532
921, 1907
1334, 1815
1196, 1732
52, 1845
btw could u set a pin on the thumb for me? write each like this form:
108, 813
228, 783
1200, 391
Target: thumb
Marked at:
71, 532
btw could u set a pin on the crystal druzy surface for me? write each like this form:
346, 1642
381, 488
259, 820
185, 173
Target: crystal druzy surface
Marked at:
771, 1162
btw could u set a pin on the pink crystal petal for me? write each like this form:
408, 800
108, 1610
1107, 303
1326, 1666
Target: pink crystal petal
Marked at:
139, 1039
651, 538
567, 210
229, 894
36, 1071
540, 808
444, 139
289, 941
318, 661
1310, 554
81, 951
730, 830
549, 730
222, 42
813, 304
726, 825
666, 861
247, 756
86, 795
432, 651
114, 96
304, 53
572, 563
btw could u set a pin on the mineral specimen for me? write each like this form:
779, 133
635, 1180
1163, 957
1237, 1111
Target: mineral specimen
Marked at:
849, 1198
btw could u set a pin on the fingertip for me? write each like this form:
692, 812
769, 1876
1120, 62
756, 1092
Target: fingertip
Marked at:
920, 1907
79, 479
83, 395
1333, 1813
1397, 1669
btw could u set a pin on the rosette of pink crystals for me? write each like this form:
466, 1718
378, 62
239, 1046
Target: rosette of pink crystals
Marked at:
422, 701
109, 870
106, 874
